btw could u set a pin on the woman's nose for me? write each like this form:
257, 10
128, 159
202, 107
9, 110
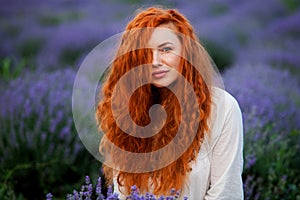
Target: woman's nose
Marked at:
156, 60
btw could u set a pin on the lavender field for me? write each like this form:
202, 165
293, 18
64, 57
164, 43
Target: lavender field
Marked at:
255, 45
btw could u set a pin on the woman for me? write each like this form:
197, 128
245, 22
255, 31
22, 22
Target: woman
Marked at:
168, 124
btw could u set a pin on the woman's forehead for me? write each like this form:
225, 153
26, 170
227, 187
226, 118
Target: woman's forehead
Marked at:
163, 34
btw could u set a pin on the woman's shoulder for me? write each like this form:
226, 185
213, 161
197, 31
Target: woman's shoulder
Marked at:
223, 100
224, 108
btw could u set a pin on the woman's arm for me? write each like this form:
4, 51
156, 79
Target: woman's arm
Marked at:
227, 155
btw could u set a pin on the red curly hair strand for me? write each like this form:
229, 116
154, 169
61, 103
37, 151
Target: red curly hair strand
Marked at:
195, 67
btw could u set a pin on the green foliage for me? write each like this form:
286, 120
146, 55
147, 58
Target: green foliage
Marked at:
30, 48
69, 56
292, 4
222, 56
41, 159
6, 193
10, 70
10, 29
55, 19
219, 8
50, 20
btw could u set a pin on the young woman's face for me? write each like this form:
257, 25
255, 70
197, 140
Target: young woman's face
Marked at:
166, 51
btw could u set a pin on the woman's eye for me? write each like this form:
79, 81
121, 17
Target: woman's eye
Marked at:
166, 49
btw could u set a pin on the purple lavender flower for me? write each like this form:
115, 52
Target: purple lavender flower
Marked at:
248, 187
161, 198
87, 180
75, 194
109, 191
89, 191
69, 197
49, 196
113, 197
250, 160
99, 194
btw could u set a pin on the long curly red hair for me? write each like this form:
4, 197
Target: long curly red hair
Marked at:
195, 67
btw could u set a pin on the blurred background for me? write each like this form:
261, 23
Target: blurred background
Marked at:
255, 45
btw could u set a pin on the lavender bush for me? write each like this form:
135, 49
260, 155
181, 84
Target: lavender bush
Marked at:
38, 141
276, 44
56, 34
229, 27
270, 101
87, 192
267, 96
271, 166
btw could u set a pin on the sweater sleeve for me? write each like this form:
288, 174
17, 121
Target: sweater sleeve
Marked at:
227, 155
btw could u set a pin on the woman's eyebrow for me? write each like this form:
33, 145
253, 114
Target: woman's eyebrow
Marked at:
165, 43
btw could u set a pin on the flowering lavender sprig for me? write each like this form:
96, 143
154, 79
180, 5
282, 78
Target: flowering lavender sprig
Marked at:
99, 194
109, 191
88, 188
49, 196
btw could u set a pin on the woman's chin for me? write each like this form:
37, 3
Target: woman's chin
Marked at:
160, 85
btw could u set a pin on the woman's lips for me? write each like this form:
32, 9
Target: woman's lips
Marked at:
159, 73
